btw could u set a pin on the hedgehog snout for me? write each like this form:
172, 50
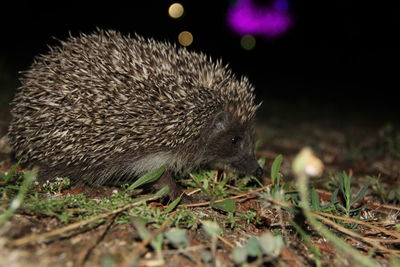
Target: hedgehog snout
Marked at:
258, 173
253, 168
246, 165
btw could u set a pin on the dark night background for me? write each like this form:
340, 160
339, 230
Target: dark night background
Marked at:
340, 56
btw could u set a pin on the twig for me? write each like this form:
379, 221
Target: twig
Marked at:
214, 248
228, 243
355, 235
84, 255
351, 220
45, 236
382, 206
381, 240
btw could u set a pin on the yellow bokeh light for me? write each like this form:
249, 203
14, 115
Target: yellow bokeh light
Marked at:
248, 42
175, 10
185, 38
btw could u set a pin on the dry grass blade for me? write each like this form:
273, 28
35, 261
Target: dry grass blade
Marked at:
356, 235
228, 243
351, 220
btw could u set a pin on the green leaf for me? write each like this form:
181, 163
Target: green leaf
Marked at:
391, 195
206, 256
108, 261
172, 205
360, 194
270, 244
178, 237
140, 225
345, 184
144, 233
147, 178
315, 200
157, 242
239, 255
334, 196
257, 145
275, 169
10, 173
162, 192
253, 247
227, 205
309, 243
261, 161
211, 228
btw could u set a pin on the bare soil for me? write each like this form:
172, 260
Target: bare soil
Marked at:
355, 145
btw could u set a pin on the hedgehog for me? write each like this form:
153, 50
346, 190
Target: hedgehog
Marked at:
103, 105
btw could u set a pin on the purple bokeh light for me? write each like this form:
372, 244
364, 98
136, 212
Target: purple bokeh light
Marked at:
247, 17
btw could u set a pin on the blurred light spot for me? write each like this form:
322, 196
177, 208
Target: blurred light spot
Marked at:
248, 42
175, 10
185, 38
249, 17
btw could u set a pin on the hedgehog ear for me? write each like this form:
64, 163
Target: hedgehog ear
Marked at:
220, 122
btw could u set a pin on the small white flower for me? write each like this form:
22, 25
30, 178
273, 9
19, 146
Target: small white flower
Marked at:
307, 163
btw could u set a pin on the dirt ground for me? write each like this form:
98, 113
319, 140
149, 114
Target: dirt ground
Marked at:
355, 144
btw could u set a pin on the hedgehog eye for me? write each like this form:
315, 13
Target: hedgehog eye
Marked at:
236, 139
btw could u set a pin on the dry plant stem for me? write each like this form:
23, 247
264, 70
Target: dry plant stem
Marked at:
228, 243
381, 240
351, 220
383, 206
214, 239
302, 180
355, 235
371, 241
45, 236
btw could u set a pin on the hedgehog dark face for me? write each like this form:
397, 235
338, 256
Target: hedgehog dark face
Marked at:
231, 146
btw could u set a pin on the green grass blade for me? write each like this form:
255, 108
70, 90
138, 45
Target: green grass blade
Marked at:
172, 205
315, 200
275, 169
360, 194
29, 177
147, 178
309, 243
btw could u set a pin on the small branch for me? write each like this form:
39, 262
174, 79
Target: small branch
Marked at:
228, 243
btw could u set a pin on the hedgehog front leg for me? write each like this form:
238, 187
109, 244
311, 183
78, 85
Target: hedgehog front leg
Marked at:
166, 179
